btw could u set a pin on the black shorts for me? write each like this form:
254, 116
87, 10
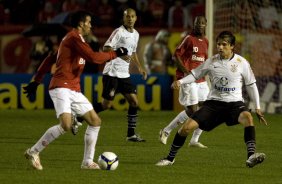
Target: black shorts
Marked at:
114, 85
214, 113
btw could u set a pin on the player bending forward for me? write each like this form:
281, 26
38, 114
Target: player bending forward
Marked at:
65, 92
227, 72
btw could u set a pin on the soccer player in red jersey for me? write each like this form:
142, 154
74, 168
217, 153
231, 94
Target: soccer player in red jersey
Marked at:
65, 91
192, 52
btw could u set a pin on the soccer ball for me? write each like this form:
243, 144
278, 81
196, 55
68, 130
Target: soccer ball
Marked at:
108, 161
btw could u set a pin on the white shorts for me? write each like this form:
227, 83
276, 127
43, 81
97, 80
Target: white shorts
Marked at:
191, 94
68, 101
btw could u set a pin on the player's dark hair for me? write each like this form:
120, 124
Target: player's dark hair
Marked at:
200, 16
77, 17
228, 36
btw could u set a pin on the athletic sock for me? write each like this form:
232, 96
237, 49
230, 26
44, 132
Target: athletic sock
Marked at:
196, 135
180, 118
178, 142
250, 140
90, 139
132, 120
98, 107
50, 135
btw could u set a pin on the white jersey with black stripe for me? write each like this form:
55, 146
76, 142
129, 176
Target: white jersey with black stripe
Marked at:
227, 77
120, 37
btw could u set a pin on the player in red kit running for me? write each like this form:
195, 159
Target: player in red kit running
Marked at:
192, 52
65, 91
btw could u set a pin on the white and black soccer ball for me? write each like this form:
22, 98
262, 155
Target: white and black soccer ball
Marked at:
108, 161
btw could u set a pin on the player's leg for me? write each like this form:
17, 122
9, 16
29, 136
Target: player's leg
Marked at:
62, 104
184, 97
199, 93
188, 127
165, 132
83, 108
194, 141
108, 94
132, 118
128, 89
90, 139
205, 118
253, 158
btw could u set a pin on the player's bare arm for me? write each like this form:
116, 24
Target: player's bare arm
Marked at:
180, 66
140, 68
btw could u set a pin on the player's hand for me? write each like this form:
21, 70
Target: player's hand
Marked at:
144, 73
175, 85
121, 51
261, 117
30, 89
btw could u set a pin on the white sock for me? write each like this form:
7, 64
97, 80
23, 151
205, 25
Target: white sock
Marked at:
50, 135
196, 135
180, 118
90, 139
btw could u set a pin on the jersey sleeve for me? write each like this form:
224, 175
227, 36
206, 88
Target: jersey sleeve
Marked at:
45, 67
248, 74
89, 55
182, 48
202, 70
113, 40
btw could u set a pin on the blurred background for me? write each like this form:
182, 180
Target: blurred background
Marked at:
31, 29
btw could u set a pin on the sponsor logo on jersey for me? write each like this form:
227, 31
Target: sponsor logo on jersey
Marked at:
223, 81
81, 61
197, 58
224, 89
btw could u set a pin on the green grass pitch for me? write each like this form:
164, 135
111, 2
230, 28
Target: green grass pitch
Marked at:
222, 162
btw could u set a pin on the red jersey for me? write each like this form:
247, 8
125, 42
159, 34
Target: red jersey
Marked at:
193, 52
70, 61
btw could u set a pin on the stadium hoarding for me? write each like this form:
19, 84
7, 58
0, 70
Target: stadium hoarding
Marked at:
153, 94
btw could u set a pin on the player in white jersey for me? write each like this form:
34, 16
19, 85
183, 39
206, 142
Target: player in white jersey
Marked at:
225, 104
116, 76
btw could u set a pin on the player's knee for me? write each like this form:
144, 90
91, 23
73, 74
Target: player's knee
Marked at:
246, 118
66, 126
65, 121
95, 121
187, 128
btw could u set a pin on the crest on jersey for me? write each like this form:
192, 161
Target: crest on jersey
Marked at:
234, 68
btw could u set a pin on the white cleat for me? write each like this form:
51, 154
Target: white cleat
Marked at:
255, 159
197, 145
163, 136
34, 159
164, 162
90, 166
